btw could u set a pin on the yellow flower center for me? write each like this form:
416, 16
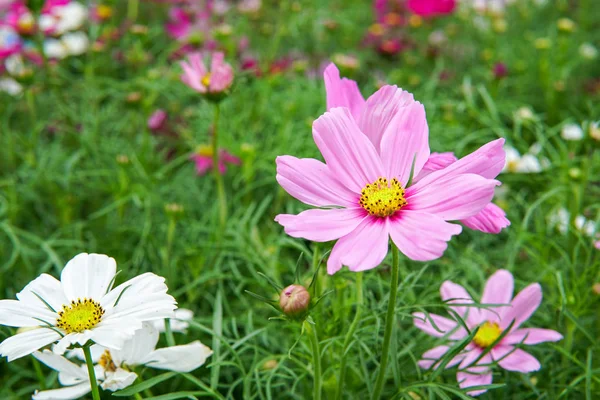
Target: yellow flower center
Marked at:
487, 334
104, 11
80, 315
107, 362
206, 79
382, 198
204, 150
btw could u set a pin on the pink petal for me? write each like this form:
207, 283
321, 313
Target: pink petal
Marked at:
421, 236
531, 336
430, 8
362, 249
435, 162
453, 198
229, 158
405, 140
454, 293
431, 356
522, 306
221, 73
487, 161
472, 355
467, 379
322, 225
513, 359
203, 163
311, 182
342, 92
381, 109
498, 290
444, 327
492, 219
350, 156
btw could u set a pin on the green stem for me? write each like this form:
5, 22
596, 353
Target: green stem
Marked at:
216, 172
132, 10
350, 334
39, 373
389, 325
316, 353
169, 333
92, 374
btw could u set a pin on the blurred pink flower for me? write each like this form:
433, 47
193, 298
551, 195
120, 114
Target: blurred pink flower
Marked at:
19, 18
493, 321
500, 70
370, 149
197, 77
597, 244
431, 8
157, 120
204, 161
180, 23
343, 92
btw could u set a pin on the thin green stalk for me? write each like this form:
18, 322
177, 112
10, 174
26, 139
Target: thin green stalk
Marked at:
389, 325
92, 374
316, 353
39, 373
132, 10
350, 334
216, 172
169, 333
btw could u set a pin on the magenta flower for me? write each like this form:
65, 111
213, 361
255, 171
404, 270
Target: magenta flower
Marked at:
343, 92
369, 150
431, 8
203, 158
197, 77
474, 367
157, 120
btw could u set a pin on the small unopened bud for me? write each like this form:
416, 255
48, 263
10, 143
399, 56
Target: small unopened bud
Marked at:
174, 209
596, 288
294, 300
122, 159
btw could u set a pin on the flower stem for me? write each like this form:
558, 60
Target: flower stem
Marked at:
132, 10
389, 325
316, 353
169, 333
216, 172
90, 367
350, 334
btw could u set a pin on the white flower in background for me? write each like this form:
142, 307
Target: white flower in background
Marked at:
179, 323
588, 51
113, 369
54, 48
489, 6
572, 132
249, 6
516, 163
594, 129
585, 226
525, 114
83, 307
76, 43
560, 220
437, 38
10, 86
69, 17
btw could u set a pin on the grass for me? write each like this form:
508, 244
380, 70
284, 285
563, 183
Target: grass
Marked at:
63, 191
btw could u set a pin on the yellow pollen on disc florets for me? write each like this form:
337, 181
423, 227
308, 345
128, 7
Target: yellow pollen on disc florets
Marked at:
206, 79
80, 315
107, 362
382, 198
487, 334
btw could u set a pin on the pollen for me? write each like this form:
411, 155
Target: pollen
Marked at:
107, 362
487, 334
382, 198
206, 79
80, 315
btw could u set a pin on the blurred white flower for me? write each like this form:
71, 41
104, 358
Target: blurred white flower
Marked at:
516, 163
572, 132
585, 226
70, 17
76, 43
179, 323
10, 86
14, 65
559, 220
249, 6
54, 48
594, 129
525, 114
437, 38
588, 51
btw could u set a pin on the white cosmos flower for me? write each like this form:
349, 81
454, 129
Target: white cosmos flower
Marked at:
113, 366
69, 17
76, 43
10, 86
82, 307
572, 132
516, 163
178, 322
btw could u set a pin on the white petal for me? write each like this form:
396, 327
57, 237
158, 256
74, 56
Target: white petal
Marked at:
119, 379
67, 393
136, 349
69, 373
88, 276
27, 342
20, 314
114, 334
47, 288
178, 323
183, 358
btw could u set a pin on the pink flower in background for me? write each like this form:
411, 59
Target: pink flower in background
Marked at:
197, 77
157, 120
369, 150
203, 158
180, 23
431, 8
10, 42
500, 70
343, 92
494, 321
19, 18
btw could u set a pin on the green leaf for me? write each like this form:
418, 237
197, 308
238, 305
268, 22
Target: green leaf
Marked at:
147, 384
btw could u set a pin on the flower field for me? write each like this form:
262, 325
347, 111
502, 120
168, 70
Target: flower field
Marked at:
396, 199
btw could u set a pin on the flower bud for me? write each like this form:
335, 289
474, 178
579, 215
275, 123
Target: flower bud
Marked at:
294, 300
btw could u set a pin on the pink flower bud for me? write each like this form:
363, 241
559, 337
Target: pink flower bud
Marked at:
294, 300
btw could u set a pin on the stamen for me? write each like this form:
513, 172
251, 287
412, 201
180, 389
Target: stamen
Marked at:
80, 315
382, 198
487, 334
206, 79
107, 362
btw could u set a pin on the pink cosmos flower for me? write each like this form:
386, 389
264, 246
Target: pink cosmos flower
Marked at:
180, 23
197, 77
345, 93
370, 149
204, 162
474, 366
431, 8
157, 120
